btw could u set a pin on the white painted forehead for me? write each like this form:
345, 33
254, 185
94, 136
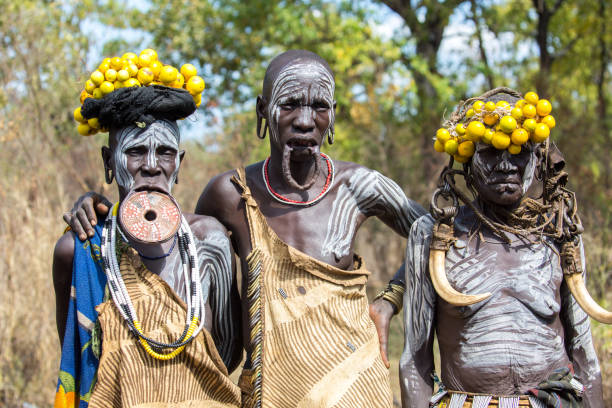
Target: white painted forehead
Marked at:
307, 70
163, 130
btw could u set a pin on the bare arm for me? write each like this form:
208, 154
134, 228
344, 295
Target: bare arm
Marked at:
62, 280
579, 345
416, 363
84, 214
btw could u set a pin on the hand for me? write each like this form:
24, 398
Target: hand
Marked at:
381, 312
83, 216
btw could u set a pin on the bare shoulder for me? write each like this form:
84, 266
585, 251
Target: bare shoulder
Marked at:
64, 249
203, 226
348, 172
219, 195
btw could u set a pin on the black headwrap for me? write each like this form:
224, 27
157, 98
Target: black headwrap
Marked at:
126, 106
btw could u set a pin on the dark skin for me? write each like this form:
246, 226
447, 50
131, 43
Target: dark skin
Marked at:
529, 327
301, 121
146, 178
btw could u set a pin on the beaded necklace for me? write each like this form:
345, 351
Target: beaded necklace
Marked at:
285, 200
193, 288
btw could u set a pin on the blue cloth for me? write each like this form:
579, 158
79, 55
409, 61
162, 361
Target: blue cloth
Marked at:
79, 364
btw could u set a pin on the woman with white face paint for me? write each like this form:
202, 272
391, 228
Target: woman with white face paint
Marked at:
520, 336
169, 331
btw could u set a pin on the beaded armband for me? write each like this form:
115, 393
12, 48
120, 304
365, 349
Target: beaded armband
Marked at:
395, 295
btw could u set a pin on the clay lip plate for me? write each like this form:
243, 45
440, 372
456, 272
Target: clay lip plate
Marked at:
149, 216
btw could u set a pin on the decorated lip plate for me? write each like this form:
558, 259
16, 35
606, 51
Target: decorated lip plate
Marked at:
149, 216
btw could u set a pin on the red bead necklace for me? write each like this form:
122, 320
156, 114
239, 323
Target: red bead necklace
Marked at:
280, 198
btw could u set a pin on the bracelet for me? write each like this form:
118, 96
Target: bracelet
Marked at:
394, 294
68, 228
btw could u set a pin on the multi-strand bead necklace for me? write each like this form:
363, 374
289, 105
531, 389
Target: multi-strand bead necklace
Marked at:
193, 289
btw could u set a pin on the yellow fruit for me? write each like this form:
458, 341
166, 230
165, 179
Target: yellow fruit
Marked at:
514, 149
195, 85
188, 70
517, 113
110, 75
460, 129
107, 87
461, 159
520, 103
118, 84
490, 106
197, 98
529, 111
466, 149
144, 60
145, 76
93, 123
116, 63
488, 136
540, 133
507, 124
151, 52
131, 82
451, 146
478, 105
84, 95
500, 140
179, 81
438, 146
103, 67
198, 103
168, 74
97, 77
549, 120
529, 125
123, 75
83, 129
442, 135
519, 136
475, 130
131, 57
97, 93
89, 86
77, 115
502, 104
543, 107
156, 68
469, 113
132, 69
532, 97
490, 119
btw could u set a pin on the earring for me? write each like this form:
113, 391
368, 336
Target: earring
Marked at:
265, 130
108, 175
331, 135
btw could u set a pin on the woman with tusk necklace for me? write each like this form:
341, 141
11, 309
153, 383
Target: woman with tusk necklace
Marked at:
498, 276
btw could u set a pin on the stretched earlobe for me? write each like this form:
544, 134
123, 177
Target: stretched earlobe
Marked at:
108, 175
330, 135
265, 127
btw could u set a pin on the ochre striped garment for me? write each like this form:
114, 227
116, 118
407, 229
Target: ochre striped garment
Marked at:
313, 343
129, 377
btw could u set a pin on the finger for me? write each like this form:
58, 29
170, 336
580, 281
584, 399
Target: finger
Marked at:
383, 350
103, 208
87, 206
81, 217
76, 227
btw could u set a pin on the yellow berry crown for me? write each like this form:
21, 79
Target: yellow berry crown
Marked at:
130, 70
500, 124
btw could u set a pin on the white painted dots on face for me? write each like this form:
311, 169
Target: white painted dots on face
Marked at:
162, 133
306, 82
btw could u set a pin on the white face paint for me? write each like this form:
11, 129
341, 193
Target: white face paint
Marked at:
159, 133
307, 82
367, 192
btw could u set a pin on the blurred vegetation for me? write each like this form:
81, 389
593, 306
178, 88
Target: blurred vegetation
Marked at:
400, 66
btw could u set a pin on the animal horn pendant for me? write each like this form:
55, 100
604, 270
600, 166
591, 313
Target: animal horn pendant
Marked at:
440, 243
572, 270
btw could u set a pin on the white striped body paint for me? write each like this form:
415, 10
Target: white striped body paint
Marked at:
215, 266
288, 87
366, 192
159, 133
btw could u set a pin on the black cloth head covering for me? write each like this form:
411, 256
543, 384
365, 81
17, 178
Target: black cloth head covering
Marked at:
126, 106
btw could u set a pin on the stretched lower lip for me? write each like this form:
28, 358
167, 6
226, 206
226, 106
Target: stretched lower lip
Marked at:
150, 188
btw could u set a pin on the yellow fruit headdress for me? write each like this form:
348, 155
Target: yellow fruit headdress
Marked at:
500, 124
131, 71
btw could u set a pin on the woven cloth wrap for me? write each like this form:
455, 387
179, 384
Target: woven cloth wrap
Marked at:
126, 106
558, 391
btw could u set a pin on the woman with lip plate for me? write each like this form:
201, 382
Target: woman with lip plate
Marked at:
498, 276
146, 307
